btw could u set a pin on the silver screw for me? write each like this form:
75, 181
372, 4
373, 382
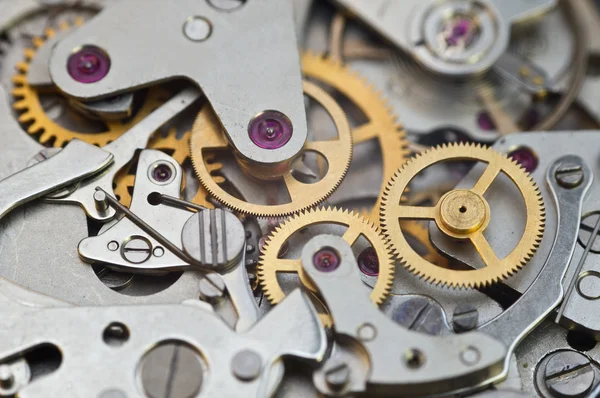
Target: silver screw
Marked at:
337, 376
172, 370
212, 288
585, 232
465, 318
100, 201
197, 28
226, 5
246, 365
136, 249
7, 378
569, 175
420, 315
569, 374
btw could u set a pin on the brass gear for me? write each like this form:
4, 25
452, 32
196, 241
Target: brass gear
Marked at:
207, 135
382, 123
420, 233
270, 264
463, 214
32, 114
178, 149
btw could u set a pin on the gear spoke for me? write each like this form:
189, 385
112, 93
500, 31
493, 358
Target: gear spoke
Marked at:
366, 132
415, 212
486, 179
326, 148
288, 265
485, 250
351, 235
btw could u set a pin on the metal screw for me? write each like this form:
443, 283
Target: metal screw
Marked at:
246, 365
465, 318
569, 175
337, 376
172, 370
212, 288
100, 201
7, 378
569, 374
197, 28
136, 249
420, 315
585, 232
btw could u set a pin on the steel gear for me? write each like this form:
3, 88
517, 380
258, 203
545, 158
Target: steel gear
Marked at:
382, 123
270, 264
463, 214
207, 136
179, 149
38, 123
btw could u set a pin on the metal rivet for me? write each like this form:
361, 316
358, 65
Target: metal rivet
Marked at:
100, 201
470, 356
414, 358
212, 288
246, 365
197, 28
366, 332
158, 251
113, 246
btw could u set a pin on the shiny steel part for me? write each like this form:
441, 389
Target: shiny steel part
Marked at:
77, 161
207, 137
292, 329
400, 360
490, 20
463, 214
168, 220
382, 125
123, 150
13, 376
271, 263
253, 88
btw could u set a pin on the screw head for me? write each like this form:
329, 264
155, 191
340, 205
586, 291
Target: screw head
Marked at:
569, 374
197, 28
465, 318
246, 365
337, 376
421, 315
569, 175
136, 249
88, 65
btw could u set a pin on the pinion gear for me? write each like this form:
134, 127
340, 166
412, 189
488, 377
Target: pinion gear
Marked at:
463, 214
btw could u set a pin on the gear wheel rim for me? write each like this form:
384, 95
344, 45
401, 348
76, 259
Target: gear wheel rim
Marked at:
35, 120
267, 271
207, 133
476, 278
383, 124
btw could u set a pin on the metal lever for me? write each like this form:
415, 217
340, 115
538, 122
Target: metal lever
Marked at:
77, 161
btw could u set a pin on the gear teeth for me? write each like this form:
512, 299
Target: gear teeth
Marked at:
267, 267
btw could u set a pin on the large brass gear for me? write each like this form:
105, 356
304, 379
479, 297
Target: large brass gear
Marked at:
38, 123
382, 123
208, 137
463, 214
270, 264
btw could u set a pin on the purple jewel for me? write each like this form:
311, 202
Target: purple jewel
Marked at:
326, 260
270, 130
368, 262
485, 122
88, 65
525, 157
162, 173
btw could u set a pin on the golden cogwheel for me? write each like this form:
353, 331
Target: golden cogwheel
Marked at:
178, 149
39, 123
270, 264
208, 137
463, 214
381, 125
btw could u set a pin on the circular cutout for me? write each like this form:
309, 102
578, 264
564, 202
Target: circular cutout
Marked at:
115, 334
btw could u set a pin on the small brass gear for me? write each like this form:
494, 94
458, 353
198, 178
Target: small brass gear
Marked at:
463, 214
382, 123
179, 149
270, 264
38, 123
208, 137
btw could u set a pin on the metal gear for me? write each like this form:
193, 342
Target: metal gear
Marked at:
420, 233
270, 264
179, 149
463, 214
38, 123
207, 136
382, 123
